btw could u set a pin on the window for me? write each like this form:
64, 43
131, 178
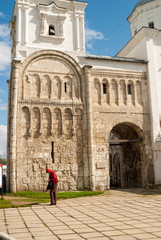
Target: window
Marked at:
151, 25
104, 88
129, 89
65, 87
51, 30
52, 151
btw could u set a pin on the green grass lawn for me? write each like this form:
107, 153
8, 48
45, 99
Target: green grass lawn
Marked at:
33, 198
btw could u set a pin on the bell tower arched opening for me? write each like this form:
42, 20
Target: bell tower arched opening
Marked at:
125, 156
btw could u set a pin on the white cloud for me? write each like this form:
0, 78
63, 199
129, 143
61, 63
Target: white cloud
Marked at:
5, 50
3, 106
2, 14
92, 35
4, 55
4, 31
3, 139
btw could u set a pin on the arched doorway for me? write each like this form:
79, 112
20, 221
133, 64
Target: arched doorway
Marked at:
125, 156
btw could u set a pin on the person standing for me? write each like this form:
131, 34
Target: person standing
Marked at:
53, 190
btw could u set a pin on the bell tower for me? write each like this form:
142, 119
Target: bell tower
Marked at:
46, 24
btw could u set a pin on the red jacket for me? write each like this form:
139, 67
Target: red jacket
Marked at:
52, 176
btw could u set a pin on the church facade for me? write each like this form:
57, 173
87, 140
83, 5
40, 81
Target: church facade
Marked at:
95, 120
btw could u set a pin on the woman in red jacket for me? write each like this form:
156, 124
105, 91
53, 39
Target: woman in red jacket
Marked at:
53, 190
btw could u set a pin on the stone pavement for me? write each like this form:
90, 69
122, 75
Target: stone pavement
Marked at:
120, 215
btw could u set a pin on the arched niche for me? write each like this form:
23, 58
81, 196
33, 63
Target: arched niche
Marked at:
67, 87
139, 92
45, 86
122, 92
130, 92
79, 123
105, 91
35, 86
97, 91
56, 88
46, 121
114, 92
68, 123
57, 122
25, 122
36, 121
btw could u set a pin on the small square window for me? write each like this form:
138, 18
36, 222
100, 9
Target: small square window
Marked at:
151, 25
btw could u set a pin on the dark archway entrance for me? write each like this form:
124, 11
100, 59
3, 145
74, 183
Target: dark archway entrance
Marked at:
125, 156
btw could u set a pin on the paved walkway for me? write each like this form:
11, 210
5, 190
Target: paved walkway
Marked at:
119, 215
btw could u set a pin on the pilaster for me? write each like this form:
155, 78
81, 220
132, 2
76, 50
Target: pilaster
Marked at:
18, 24
26, 23
90, 126
13, 127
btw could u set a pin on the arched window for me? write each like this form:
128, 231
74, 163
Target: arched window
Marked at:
129, 89
51, 30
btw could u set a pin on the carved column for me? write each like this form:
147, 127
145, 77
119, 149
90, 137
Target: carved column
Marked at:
61, 32
13, 127
41, 117
90, 126
135, 95
31, 121
73, 90
26, 24
42, 26
41, 79
82, 33
19, 24
77, 32
52, 122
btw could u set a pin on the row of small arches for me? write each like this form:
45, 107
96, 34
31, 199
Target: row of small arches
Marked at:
51, 88
117, 92
36, 122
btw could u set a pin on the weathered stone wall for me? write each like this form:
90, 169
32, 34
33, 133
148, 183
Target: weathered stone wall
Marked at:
119, 97
51, 124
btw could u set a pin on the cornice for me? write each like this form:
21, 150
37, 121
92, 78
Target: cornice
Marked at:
118, 74
51, 103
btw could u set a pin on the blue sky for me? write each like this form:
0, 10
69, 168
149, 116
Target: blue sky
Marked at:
107, 31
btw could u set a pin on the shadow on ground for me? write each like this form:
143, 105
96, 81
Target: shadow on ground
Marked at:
140, 191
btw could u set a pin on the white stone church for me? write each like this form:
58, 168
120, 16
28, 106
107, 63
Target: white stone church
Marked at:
94, 120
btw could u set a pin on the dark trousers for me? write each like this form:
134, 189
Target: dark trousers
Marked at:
53, 191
